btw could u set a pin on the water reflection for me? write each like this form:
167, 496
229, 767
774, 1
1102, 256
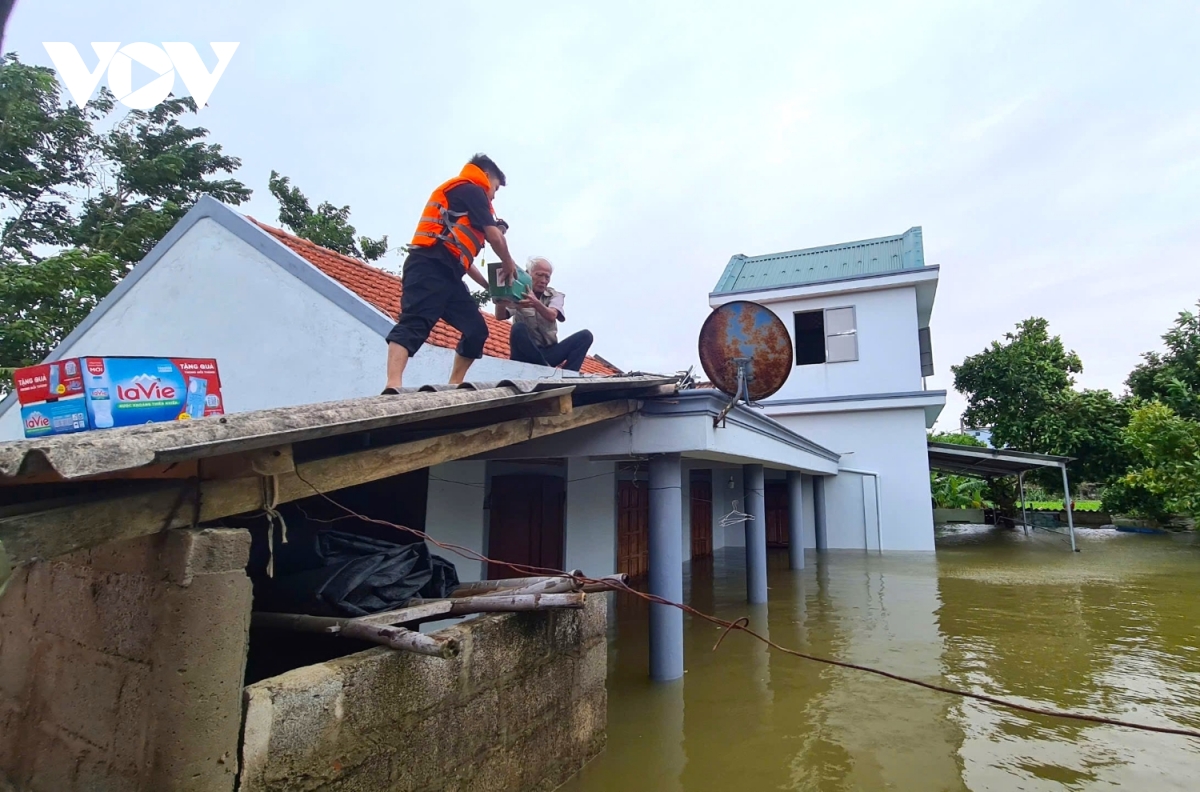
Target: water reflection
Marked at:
1109, 630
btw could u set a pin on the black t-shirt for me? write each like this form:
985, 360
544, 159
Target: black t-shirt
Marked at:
469, 198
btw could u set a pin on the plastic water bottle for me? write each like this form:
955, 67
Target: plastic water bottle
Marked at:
197, 390
100, 396
53, 380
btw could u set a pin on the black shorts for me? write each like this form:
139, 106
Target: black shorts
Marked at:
433, 290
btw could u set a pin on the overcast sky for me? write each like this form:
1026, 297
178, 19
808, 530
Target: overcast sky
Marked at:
1050, 151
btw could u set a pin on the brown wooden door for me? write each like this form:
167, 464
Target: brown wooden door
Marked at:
777, 513
526, 524
633, 528
701, 491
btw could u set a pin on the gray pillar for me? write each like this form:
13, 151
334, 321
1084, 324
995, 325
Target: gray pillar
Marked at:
819, 513
756, 534
1070, 511
666, 566
1024, 514
795, 483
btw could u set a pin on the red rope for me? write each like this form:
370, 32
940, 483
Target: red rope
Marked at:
742, 624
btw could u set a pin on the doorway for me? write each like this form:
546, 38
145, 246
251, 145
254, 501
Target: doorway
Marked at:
633, 528
776, 496
525, 524
701, 513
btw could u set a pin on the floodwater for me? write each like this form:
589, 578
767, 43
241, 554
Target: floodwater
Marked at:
1111, 630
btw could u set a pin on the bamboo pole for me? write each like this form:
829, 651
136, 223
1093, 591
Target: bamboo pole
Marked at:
510, 603
392, 637
483, 586
402, 638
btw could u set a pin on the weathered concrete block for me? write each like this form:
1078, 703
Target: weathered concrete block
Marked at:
117, 678
208, 551
383, 686
591, 670
502, 645
594, 620
527, 698
508, 714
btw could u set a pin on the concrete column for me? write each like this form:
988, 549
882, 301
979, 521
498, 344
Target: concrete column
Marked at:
819, 513
756, 534
666, 566
795, 484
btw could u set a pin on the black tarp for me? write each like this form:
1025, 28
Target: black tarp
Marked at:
335, 573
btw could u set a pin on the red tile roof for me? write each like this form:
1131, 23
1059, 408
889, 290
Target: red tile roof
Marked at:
382, 290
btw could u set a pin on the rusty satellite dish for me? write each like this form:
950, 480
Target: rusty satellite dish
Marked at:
746, 351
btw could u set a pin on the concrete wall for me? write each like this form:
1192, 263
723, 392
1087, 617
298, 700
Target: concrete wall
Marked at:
889, 355
122, 667
454, 513
892, 443
277, 341
522, 707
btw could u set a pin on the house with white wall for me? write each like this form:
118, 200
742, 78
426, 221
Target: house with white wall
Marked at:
859, 315
835, 460
288, 321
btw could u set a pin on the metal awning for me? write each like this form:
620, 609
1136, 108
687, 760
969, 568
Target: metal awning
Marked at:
972, 461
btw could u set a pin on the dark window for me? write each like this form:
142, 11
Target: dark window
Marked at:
926, 345
810, 338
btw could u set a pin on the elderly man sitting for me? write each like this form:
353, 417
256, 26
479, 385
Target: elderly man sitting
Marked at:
534, 334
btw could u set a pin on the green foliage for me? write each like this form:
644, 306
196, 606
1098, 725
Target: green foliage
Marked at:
1022, 388
81, 206
1059, 505
1019, 387
42, 301
956, 492
481, 297
1173, 377
329, 226
46, 152
957, 439
1168, 446
1134, 500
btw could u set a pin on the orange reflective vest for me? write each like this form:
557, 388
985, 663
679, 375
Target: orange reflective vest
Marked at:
439, 224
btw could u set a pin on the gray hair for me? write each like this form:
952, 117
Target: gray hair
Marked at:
535, 260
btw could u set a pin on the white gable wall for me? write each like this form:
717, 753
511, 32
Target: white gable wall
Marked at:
889, 357
277, 341
891, 443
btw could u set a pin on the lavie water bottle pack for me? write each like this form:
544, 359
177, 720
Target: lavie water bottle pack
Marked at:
79, 394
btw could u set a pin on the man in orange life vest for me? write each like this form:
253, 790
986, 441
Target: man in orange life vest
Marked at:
457, 220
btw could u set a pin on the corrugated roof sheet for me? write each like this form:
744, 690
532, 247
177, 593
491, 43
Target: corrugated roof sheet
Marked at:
821, 264
382, 290
126, 448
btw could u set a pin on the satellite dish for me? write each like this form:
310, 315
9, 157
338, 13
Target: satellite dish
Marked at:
746, 351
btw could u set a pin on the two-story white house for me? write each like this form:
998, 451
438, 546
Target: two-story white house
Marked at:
859, 318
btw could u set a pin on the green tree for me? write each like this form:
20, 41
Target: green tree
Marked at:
952, 491
1019, 387
1169, 448
47, 151
1173, 377
152, 169
79, 207
328, 226
1022, 389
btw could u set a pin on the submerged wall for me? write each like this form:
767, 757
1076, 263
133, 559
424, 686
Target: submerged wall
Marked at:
522, 707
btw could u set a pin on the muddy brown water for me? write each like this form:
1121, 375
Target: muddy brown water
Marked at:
1112, 630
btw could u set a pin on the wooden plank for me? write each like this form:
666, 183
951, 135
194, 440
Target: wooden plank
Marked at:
56, 532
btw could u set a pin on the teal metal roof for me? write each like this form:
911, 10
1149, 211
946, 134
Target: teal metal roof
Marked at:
847, 261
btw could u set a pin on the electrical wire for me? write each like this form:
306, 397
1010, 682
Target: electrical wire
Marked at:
742, 624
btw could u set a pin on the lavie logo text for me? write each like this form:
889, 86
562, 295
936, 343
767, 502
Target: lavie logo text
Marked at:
173, 56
